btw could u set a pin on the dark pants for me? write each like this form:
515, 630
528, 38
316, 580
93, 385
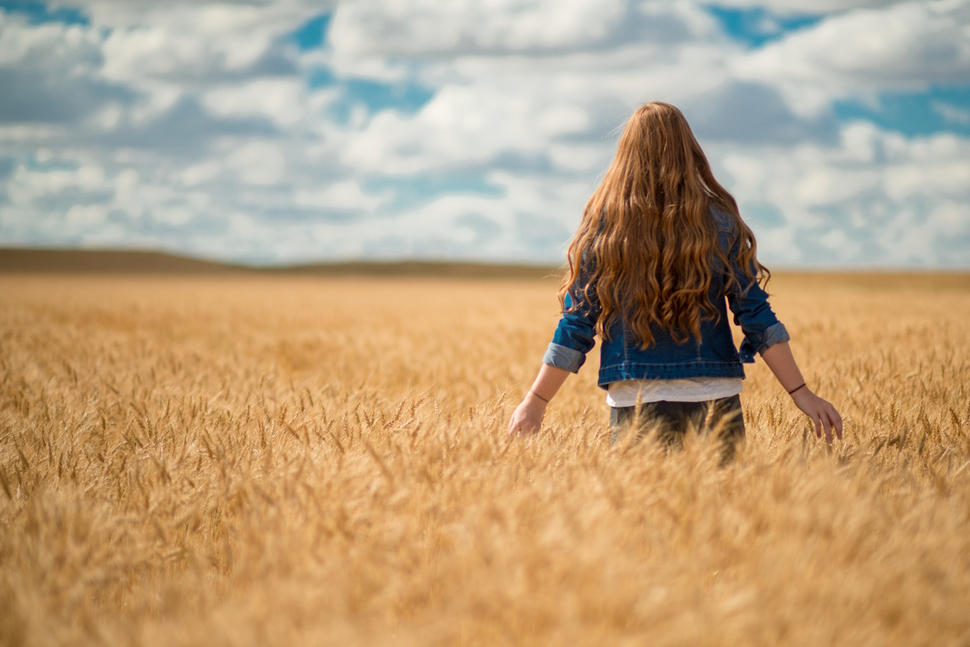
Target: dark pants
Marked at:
671, 420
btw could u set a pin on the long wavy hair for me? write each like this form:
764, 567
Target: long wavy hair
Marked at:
647, 246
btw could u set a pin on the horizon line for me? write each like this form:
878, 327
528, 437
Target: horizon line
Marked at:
25, 259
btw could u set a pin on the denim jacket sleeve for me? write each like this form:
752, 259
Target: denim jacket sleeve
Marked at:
574, 336
749, 303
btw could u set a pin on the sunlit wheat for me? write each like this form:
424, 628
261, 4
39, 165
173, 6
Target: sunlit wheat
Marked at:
281, 461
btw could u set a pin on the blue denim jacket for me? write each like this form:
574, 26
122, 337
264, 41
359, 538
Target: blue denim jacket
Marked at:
713, 355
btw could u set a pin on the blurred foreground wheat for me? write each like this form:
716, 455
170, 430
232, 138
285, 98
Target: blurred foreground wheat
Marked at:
285, 461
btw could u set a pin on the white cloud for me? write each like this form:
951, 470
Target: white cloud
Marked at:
538, 107
478, 125
71, 45
166, 59
906, 46
341, 195
257, 162
283, 100
190, 41
49, 73
25, 185
86, 215
935, 167
369, 36
202, 172
195, 129
855, 203
428, 26
951, 113
785, 7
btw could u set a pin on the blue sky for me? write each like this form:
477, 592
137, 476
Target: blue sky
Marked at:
297, 131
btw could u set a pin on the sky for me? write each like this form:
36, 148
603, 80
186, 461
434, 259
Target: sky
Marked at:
295, 131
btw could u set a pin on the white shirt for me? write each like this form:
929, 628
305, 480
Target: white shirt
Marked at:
695, 389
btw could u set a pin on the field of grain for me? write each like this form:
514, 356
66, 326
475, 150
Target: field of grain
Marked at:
245, 460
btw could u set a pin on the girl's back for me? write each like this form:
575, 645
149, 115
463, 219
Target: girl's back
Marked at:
660, 248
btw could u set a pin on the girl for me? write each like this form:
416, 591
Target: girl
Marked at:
660, 248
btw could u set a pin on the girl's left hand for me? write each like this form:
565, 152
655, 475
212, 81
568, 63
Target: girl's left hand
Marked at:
822, 413
527, 417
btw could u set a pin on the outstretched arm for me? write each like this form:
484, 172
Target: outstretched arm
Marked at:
780, 360
528, 415
566, 354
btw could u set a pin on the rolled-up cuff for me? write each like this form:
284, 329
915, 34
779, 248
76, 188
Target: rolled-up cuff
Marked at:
774, 334
564, 357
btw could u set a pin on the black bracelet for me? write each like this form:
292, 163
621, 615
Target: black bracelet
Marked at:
538, 396
796, 388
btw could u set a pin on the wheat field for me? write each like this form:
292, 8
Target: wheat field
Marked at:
273, 460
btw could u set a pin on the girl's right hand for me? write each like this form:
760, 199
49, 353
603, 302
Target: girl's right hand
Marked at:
527, 417
822, 413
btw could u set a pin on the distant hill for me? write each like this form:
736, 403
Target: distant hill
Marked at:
97, 261
75, 261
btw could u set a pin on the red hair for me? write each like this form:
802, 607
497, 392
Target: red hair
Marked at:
647, 243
